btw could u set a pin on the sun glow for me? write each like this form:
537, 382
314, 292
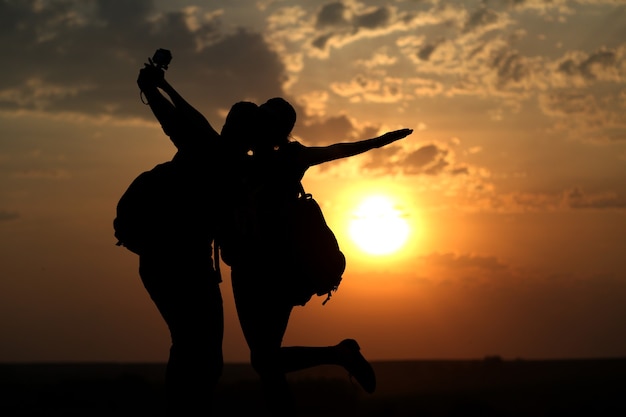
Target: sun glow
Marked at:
378, 228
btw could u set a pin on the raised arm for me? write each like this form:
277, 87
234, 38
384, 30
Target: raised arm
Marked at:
192, 115
148, 80
185, 125
316, 155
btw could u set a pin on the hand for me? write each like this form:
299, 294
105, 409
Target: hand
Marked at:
150, 76
390, 137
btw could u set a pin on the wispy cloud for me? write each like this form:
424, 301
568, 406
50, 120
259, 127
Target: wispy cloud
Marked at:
465, 261
576, 198
51, 174
6, 215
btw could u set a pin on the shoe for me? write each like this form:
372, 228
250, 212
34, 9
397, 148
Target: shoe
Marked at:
356, 365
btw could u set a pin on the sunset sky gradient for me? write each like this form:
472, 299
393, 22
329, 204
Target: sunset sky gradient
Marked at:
513, 182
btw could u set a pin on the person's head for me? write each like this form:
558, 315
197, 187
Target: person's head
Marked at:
278, 118
241, 125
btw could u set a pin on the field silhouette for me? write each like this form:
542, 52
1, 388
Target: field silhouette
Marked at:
482, 388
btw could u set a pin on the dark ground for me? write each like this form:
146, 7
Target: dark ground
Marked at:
484, 388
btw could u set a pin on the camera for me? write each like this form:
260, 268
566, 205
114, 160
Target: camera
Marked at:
162, 58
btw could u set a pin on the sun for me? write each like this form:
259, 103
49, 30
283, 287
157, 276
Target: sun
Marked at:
378, 228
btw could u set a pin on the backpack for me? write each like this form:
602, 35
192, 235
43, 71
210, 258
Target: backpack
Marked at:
159, 209
134, 221
304, 250
317, 258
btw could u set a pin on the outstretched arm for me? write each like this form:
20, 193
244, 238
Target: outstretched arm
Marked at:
316, 155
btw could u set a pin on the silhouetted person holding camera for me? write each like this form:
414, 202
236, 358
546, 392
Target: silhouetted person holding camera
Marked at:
177, 267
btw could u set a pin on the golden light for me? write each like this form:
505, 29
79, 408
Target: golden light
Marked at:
378, 228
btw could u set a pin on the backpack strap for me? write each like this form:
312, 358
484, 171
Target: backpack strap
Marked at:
303, 194
216, 260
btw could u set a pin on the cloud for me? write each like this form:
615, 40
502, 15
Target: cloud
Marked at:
360, 84
424, 87
465, 261
365, 89
123, 14
490, 199
511, 69
326, 131
380, 58
385, 160
314, 103
581, 101
487, 50
6, 216
471, 63
338, 24
229, 76
483, 55
332, 15
577, 199
568, 103
66, 57
429, 159
426, 51
37, 94
338, 15
579, 69
484, 20
585, 115
51, 174
379, 17
489, 65
559, 9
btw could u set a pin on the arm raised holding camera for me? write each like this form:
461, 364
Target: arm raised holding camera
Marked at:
184, 124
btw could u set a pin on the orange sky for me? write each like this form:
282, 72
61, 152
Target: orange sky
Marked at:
513, 182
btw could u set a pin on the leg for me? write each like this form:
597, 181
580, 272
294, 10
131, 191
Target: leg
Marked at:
346, 354
196, 362
264, 322
191, 305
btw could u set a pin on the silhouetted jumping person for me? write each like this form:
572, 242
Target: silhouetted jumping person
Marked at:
259, 273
